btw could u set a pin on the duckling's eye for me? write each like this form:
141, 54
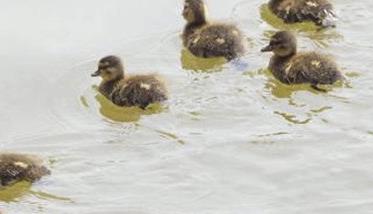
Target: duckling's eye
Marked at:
275, 42
104, 67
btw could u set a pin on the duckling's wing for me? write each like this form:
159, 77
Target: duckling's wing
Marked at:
319, 11
15, 167
217, 40
11, 172
142, 91
314, 68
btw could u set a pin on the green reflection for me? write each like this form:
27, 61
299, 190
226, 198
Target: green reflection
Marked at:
191, 62
47, 196
84, 101
125, 114
269, 17
171, 136
13, 192
322, 109
281, 90
273, 134
293, 118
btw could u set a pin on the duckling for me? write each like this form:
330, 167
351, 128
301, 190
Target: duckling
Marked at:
19, 167
291, 11
204, 39
127, 91
292, 68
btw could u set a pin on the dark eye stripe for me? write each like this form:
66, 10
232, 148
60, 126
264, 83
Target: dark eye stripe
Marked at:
104, 67
275, 42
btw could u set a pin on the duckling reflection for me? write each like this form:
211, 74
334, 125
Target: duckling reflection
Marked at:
13, 192
128, 91
294, 111
206, 40
291, 67
20, 167
319, 12
128, 114
280, 90
191, 62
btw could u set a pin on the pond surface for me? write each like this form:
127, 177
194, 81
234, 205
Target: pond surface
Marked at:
231, 139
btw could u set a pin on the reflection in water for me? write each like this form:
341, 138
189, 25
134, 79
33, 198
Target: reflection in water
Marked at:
84, 101
13, 192
283, 91
191, 62
16, 191
273, 134
47, 196
293, 118
171, 136
125, 114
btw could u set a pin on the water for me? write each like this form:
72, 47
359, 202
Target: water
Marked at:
230, 140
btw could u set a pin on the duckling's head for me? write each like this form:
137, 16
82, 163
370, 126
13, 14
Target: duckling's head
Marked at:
110, 68
282, 44
195, 11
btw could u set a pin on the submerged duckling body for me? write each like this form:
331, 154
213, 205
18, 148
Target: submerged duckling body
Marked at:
291, 11
139, 90
19, 167
292, 68
204, 39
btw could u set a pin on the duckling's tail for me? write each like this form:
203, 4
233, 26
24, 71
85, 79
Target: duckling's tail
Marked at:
329, 18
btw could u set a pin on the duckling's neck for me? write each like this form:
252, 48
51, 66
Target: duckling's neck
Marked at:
106, 88
196, 24
274, 2
191, 28
278, 66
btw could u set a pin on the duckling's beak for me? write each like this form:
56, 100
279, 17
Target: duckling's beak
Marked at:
96, 74
268, 48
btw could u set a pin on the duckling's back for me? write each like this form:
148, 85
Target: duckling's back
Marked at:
217, 40
291, 11
17, 167
312, 68
140, 90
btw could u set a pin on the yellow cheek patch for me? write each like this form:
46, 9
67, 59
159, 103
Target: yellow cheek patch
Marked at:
196, 39
145, 86
288, 67
220, 41
316, 63
287, 9
20, 164
312, 4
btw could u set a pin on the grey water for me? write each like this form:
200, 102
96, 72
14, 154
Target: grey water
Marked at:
231, 139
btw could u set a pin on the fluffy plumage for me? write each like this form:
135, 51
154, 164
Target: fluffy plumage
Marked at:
139, 90
292, 68
204, 39
19, 167
291, 11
